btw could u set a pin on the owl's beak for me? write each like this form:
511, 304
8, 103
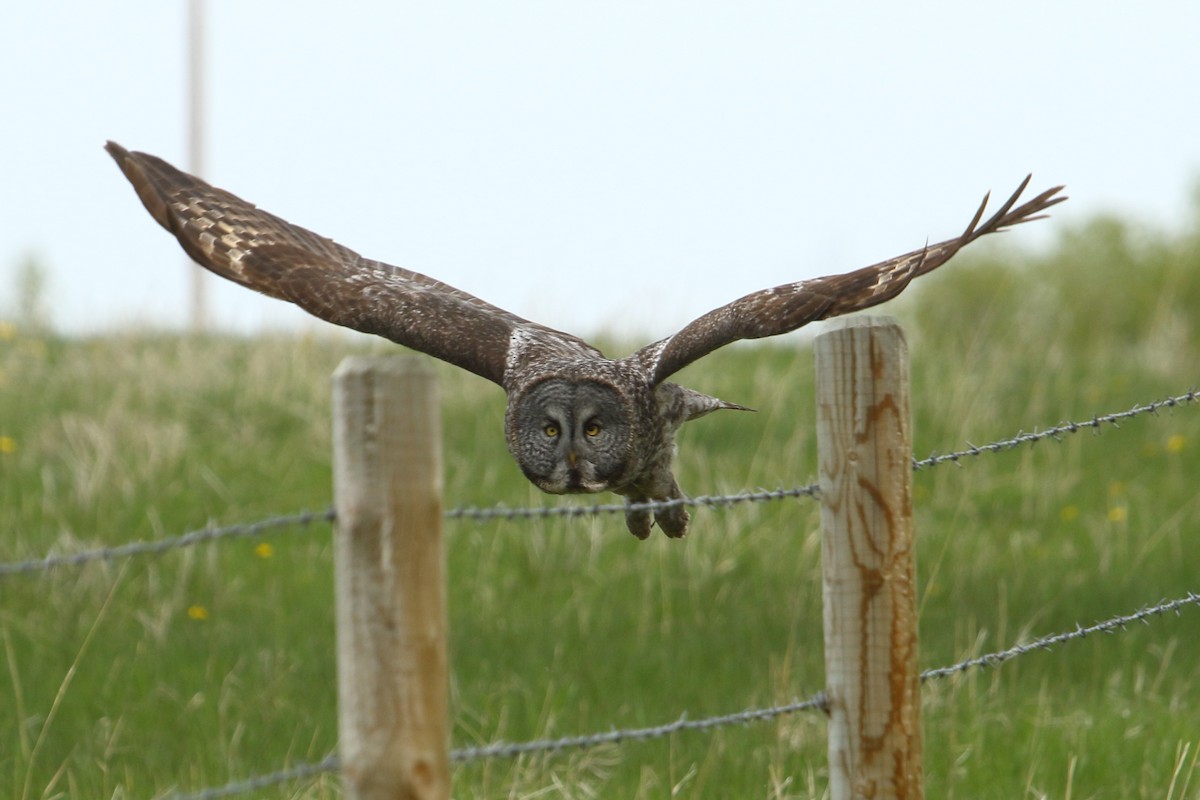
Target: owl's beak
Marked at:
572, 458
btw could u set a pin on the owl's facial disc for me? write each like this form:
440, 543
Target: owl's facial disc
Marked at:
571, 436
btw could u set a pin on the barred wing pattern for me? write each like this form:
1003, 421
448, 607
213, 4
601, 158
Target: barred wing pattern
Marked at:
259, 250
575, 421
771, 312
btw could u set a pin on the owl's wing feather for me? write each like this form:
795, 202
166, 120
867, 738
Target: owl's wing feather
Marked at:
771, 312
247, 245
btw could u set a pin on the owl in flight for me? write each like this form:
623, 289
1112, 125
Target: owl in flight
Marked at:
576, 421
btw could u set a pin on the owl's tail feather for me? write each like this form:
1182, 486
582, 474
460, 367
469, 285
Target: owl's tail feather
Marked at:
734, 407
696, 405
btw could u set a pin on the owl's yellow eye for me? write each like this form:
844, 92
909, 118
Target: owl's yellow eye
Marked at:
551, 430
592, 429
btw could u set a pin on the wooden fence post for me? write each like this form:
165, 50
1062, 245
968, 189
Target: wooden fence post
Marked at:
868, 560
390, 582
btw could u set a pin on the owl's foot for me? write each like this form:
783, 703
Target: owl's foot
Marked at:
673, 521
638, 521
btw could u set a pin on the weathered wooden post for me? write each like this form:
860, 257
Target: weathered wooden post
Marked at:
869, 565
390, 582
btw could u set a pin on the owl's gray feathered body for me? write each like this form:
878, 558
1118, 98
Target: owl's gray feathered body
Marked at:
576, 421
642, 471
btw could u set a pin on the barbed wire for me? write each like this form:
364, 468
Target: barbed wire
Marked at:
813, 490
209, 534
330, 763
1111, 625
1058, 431
817, 702
510, 750
500, 512
716, 500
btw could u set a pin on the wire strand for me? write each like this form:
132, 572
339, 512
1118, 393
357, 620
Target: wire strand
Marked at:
302, 519
812, 490
1056, 432
330, 763
817, 702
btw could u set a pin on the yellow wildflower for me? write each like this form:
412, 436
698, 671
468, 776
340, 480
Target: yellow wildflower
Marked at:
1118, 514
8, 445
8, 331
264, 550
197, 612
1175, 443
1069, 513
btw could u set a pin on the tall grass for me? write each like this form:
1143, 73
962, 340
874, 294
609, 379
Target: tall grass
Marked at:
208, 664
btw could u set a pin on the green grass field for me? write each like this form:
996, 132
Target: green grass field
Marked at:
213, 663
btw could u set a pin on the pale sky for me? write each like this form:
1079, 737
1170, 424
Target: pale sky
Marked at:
627, 165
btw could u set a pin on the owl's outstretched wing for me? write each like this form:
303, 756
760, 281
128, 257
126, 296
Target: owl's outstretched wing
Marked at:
771, 312
259, 250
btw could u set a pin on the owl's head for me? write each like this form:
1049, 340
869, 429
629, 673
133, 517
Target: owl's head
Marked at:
571, 435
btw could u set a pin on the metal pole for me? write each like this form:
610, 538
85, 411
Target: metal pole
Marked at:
198, 302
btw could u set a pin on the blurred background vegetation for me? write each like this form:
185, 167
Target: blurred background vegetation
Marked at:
205, 665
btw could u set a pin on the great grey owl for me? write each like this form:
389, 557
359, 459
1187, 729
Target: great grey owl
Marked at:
576, 421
